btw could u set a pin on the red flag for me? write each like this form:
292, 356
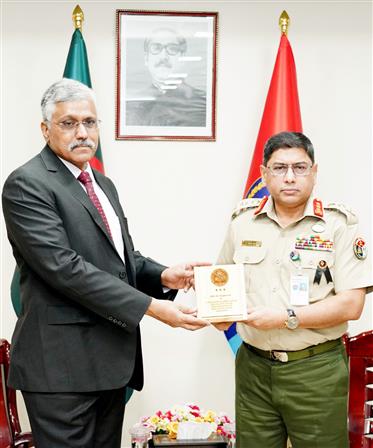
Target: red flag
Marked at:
281, 113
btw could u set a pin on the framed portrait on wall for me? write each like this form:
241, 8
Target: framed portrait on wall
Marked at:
166, 75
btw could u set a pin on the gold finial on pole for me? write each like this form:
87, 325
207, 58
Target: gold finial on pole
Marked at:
284, 22
78, 17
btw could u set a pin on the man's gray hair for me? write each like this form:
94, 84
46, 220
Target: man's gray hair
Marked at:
63, 91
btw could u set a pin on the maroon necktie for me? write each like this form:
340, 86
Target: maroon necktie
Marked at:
86, 180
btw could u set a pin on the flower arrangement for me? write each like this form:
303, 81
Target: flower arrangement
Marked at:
167, 422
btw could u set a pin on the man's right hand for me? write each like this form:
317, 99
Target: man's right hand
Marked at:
175, 315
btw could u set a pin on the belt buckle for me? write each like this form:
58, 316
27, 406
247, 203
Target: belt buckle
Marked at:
279, 356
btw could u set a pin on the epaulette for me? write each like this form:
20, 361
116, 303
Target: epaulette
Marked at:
348, 213
245, 205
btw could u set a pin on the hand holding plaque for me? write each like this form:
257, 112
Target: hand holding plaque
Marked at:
220, 292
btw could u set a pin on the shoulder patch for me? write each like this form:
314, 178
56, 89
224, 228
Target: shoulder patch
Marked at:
347, 212
245, 205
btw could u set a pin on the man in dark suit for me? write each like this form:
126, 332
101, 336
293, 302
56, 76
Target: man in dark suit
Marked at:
84, 288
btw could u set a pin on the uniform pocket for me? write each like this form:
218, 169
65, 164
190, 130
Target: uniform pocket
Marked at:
252, 258
319, 267
310, 259
249, 255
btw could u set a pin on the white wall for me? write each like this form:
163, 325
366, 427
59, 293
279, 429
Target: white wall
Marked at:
178, 195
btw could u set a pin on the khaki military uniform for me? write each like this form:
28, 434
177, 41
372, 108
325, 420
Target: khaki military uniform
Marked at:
300, 394
256, 239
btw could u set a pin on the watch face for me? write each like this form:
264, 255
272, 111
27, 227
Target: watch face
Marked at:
292, 322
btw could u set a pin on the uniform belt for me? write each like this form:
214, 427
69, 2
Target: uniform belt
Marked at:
285, 356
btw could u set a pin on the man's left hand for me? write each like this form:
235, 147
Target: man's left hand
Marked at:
264, 318
180, 276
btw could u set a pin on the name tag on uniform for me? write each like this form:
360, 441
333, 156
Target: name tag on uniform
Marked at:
251, 243
299, 290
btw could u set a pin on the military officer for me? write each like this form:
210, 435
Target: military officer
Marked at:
306, 274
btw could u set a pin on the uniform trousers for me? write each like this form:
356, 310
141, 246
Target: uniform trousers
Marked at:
305, 400
76, 420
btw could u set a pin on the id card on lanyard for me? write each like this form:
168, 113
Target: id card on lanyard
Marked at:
299, 290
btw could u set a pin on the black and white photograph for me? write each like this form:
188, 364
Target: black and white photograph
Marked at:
166, 75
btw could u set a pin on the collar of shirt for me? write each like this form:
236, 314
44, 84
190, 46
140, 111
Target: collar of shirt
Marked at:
269, 210
75, 171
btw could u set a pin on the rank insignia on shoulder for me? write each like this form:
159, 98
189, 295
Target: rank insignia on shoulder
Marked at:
261, 205
360, 249
318, 209
349, 214
244, 205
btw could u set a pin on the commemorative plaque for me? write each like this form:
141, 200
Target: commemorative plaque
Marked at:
220, 291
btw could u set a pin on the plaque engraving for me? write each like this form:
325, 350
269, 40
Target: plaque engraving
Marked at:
220, 292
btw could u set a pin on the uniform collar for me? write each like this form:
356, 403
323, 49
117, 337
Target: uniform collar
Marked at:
313, 208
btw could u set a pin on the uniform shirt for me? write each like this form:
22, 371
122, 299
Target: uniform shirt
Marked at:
109, 211
264, 247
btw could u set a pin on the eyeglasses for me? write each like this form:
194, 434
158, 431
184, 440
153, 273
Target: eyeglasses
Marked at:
157, 48
281, 169
73, 125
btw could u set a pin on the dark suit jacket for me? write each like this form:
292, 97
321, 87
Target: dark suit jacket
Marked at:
81, 306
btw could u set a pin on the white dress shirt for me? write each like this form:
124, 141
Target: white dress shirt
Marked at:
111, 216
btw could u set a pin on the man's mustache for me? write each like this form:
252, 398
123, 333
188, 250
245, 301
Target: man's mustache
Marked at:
87, 143
164, 63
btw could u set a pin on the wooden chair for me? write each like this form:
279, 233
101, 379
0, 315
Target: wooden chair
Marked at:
360, 406
11, 435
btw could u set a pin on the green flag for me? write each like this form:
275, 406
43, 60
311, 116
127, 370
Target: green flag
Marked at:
77, 68
77, 61
15, 292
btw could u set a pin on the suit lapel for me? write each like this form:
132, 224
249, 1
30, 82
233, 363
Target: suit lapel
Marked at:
71, 184
108, 190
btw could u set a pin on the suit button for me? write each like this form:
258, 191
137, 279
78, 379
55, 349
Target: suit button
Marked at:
119, 322
110, 318
124, 325
114, 321
122, 275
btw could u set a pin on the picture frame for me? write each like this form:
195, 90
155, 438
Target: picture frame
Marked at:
166, 75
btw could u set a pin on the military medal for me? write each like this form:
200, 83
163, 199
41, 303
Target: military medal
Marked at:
360, 249
314, 242
322, 269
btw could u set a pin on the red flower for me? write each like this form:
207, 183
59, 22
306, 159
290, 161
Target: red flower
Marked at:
194, 407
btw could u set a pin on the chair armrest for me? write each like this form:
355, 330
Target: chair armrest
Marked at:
24, 440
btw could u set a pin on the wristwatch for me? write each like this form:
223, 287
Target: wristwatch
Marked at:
292, 321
